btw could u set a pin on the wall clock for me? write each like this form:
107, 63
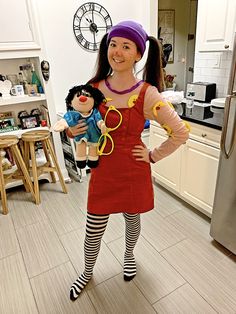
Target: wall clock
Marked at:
91, 22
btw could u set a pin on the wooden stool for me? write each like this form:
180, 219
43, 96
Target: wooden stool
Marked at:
11, 141
29, 139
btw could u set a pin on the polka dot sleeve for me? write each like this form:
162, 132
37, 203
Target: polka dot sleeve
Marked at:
155, 108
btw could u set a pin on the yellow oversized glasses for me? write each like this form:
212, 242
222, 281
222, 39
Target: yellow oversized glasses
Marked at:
102, 142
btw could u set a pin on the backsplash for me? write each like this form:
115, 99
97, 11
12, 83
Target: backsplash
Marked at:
213, 67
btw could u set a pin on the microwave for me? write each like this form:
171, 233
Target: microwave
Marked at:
201, 91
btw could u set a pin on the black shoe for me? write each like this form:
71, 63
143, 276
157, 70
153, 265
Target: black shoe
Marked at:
128, 278
92, 163
72, 296
81, 164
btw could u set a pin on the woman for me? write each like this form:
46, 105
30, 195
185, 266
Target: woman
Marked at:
122, 182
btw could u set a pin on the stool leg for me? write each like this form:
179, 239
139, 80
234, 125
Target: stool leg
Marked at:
19, 170
58, 170
26, 154
21, 147
20, 163
34, 173
45, 149
3, 191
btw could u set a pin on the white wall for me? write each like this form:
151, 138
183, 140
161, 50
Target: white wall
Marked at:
206, 71
69, 63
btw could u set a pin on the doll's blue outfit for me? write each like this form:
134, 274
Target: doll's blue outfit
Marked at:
93, 132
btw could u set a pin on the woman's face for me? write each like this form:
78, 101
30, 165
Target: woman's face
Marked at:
122, 54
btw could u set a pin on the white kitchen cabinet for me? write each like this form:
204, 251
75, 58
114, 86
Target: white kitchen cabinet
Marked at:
216, 21
191, 171
198, 174
18, 25
167, 170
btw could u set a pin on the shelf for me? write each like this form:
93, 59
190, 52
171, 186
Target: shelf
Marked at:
11, 100
44, 176
21, 131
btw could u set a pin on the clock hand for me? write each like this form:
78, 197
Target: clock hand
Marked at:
88, 20
97, 28
93, 16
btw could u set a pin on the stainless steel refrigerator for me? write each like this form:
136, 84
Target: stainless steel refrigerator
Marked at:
223, 222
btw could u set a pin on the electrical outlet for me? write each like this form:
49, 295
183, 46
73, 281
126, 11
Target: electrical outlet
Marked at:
217, 61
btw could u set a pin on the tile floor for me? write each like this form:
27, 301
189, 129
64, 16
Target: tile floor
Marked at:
180, 269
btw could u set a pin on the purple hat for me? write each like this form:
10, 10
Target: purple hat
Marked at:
132, 31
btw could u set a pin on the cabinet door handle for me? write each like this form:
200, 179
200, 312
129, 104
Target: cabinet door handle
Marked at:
226, 46
204, 135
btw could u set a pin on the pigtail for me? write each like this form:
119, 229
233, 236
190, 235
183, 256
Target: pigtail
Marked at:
103, 68
153, 72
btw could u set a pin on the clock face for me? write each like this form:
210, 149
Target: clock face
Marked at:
91, 22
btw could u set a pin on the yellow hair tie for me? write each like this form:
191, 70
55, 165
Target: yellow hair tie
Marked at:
108, 99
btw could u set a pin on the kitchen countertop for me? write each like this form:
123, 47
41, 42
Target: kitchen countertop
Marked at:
213, 122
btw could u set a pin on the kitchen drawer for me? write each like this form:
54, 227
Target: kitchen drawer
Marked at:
205, 134
199, 133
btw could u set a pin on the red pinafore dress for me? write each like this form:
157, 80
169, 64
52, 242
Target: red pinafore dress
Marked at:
120, 184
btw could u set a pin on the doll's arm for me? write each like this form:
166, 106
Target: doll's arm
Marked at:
102, 126
60, 125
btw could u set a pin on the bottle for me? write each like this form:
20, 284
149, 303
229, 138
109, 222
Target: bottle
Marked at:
22, 80
35, 80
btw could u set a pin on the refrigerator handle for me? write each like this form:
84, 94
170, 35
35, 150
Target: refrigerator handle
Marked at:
231, 94
226, 152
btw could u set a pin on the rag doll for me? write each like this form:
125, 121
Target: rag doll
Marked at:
82, 102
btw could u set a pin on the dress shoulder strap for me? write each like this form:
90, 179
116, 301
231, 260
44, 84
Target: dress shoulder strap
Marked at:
142, 93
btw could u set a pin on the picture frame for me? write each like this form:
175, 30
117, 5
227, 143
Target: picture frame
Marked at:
29, 122
31, 89
166, 23
7, 122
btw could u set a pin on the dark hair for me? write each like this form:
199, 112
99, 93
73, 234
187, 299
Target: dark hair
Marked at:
103, 69
95, 93
152, 71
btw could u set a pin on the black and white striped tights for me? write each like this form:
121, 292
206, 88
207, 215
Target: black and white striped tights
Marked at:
95, 228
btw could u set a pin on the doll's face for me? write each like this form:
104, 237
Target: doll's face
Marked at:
83, 102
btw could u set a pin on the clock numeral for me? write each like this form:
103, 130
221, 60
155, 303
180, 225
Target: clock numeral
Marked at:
84, 9
77, 18
100, 9
108, 27
86, 44
77, 28
91, 7
108, 21
107, 17
80, 37
95, 46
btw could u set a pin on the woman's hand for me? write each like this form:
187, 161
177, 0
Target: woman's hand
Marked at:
78, 129
141, 153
